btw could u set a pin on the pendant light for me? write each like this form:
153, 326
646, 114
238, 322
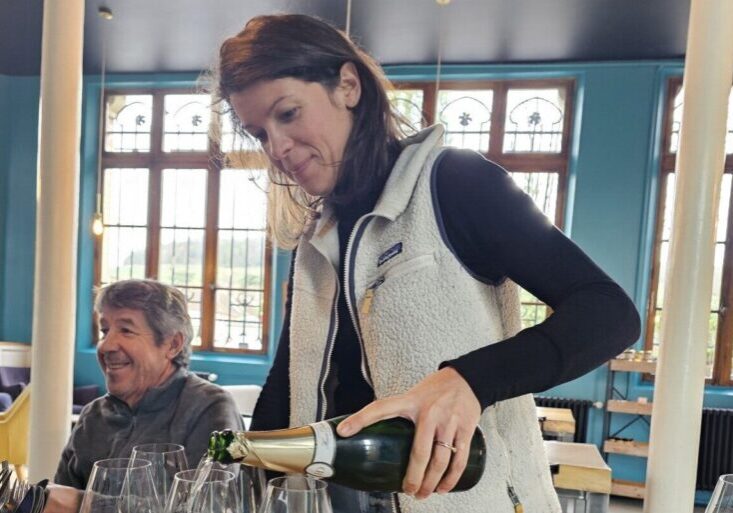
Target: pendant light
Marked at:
97, 221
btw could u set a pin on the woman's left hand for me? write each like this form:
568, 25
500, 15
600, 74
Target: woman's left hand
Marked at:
444, 409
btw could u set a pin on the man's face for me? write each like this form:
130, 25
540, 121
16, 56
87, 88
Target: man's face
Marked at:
130, 359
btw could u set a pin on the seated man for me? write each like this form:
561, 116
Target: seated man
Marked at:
144, 354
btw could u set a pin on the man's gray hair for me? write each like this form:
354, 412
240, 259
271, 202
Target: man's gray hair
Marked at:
164, 308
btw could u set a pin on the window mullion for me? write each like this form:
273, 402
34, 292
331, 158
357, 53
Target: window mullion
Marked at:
208, 294
656, 263
154, 194
498, 115
430, 104
154, 201
724, 337
569, 89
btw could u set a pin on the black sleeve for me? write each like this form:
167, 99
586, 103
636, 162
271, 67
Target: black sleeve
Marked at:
497, 232
272, 410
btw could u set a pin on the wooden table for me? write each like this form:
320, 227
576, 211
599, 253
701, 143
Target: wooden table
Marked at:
557, 423
580, 476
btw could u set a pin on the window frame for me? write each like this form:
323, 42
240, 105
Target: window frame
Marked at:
156, 160
523, 162
721, 375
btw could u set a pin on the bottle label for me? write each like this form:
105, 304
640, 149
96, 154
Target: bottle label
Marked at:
322, 465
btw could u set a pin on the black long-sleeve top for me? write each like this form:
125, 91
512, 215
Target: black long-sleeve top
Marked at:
497, 232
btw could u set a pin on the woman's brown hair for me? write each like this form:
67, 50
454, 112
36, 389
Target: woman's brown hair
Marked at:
309, 49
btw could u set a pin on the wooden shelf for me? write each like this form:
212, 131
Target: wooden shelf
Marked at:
632, 489
632, 407
633, 366
630, 448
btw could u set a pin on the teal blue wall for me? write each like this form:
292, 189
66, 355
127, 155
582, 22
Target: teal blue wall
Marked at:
612, 203
4, 150
18, 164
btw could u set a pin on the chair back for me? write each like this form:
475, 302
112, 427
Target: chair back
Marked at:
15, 429
245, 397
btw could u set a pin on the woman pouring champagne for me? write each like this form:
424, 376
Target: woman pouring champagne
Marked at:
402, 299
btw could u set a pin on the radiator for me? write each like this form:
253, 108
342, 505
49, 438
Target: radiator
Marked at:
715, 456
579, 407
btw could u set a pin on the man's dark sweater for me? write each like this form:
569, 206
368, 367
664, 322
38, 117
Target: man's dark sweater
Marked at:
184, 410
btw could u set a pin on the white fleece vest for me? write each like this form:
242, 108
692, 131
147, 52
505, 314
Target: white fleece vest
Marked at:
425, 308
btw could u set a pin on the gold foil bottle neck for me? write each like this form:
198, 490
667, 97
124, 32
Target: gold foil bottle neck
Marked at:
286, 450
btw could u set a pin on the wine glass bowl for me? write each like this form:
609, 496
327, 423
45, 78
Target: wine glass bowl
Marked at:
120, 485
296, 494
166, 460
722, 498
194, 491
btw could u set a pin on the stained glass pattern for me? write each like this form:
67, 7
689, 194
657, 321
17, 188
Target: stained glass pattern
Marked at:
534, 120
127, 123
186, 122
466, 116
409, 103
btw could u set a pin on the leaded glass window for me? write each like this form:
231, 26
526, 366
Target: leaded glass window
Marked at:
240, 279
526, 136
173, 212
409, 103
721, 237
186, 122
719, 340
182, 230
466, 115
125, 224
534, 120
128, 122
674, 138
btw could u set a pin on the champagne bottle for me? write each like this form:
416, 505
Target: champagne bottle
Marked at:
374, 460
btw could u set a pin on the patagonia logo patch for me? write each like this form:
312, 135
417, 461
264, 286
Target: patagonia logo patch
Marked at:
390, 254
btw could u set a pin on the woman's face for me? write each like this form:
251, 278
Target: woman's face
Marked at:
302, 126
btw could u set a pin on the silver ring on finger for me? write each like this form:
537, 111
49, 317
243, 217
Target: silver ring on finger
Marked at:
448, 446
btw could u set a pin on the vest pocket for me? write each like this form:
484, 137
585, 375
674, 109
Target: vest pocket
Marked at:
400, 269
408, 266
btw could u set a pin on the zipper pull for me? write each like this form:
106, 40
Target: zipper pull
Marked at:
518, 508
366, 303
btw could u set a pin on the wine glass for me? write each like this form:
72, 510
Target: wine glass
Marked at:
252, 484
722, 499
120, 485
296, 494
166, 459
197, 491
